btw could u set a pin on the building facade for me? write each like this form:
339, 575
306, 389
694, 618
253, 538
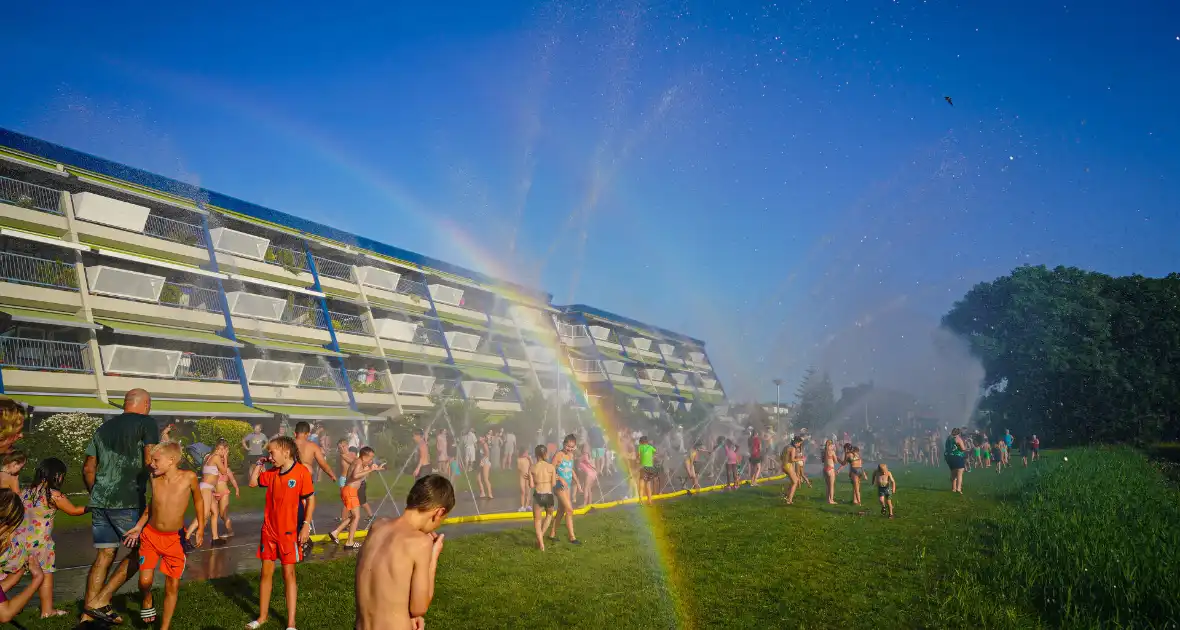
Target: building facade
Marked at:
112, 278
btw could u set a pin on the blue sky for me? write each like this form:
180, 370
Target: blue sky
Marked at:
784, 181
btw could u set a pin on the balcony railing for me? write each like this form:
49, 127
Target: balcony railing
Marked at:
190, 297
40, 354
37, 271
175, 231
321, 377
199, 367
355, 324
333, 269
572, 331
446, 388
365, 381
305, 316
584, 366
428, 337
505, 393
512, 350
405, 286
31, 196
292, 260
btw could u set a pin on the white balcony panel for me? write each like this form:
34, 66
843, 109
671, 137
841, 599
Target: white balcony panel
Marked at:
479, 390
654, 375
697, 357
668, 349
446, 295
123, 283
395, 329
377, 277
688, 406
462, 341
239, 243
613, 367
709, 383
98, 209
600, 333
137, 361
244, 304
641, 343
413, 384
680, 378
540, 354
526, 316
264, 372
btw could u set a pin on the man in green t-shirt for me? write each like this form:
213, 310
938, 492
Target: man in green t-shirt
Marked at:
647, 468
116, 473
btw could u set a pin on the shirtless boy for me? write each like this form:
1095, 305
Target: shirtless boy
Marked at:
311, 455
349, 494
395, 569
161, 529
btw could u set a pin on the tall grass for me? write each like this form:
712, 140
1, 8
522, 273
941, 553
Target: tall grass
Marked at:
1091, 542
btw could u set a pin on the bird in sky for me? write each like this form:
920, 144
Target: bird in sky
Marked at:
949, 101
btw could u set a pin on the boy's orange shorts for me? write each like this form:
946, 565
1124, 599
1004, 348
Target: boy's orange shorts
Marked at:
163, 549
350, 497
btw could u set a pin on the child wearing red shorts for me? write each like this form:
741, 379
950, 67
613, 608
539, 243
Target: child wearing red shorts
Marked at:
290, 498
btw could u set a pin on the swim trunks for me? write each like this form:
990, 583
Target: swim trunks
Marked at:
885, 491
162, 549
362, 493
350, 498
648, 473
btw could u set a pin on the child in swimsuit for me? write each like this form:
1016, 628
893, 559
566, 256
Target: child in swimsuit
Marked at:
886, 486
523, 468
589, 474
855, 471
731, 461
542, 477
690, 466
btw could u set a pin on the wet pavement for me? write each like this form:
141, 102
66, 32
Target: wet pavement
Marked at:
236, 555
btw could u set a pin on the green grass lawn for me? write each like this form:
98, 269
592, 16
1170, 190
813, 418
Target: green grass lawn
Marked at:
743, 560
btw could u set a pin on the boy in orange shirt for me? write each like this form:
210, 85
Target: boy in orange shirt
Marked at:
288, 486
349, 495
160, 530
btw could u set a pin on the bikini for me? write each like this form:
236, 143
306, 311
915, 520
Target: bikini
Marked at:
208, 469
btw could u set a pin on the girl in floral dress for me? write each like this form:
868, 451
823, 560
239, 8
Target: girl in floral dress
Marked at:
33, 542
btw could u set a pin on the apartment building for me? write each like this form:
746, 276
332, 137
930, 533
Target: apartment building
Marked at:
112, 278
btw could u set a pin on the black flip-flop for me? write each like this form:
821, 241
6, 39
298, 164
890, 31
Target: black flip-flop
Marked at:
106, 614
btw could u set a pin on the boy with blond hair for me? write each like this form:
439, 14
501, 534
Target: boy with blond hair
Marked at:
350, 496
395, 569
160, 531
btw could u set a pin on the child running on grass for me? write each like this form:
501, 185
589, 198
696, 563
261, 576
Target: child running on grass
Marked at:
349, 495
161, 528
288, 486
998, 455
886, 486
647, 468
395, 570
542, 478
14, 462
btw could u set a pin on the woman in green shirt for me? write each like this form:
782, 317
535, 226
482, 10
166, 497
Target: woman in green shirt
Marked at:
954, 450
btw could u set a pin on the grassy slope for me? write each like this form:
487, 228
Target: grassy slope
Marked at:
741, 559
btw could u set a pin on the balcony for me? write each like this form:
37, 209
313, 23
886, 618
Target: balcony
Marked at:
124, 283
461, 341
253, 305
365, 381
350, 324
239, 244
96, 208
328, 268
176, 231
667, 349
30, 196
123, 360
378, 278
292, 260
44, 356
413, 384
652, 374
446, 294
708, 383
640, 343
697, 357
406, 295
321, 377
38, 272
680, 378
396, 329
304, 316
190, 297
446, 389
574, 335
198, 367
278, 373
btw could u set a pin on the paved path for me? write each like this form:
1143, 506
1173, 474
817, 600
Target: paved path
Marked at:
75, 553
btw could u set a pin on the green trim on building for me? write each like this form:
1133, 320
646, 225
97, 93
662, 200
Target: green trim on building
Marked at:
313, 413
49, 318
485, 374
166, 332
64, 404
289, 346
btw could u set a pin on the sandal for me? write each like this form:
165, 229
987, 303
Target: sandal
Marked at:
105, 614
334, 538
352, 545
148, 615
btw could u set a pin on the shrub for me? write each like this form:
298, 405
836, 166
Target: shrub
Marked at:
209, 430
66, 434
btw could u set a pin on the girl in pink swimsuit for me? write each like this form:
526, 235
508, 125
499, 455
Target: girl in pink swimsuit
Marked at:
589, 474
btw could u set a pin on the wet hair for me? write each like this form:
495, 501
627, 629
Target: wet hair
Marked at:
12, 419
430, 493
302, 428
12, 515
171, 448
221, 443
570, 438
341, 441
643, 439
50, 474
367, 450
540, 451
352, 449
15, 456
287, 444
955, 431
